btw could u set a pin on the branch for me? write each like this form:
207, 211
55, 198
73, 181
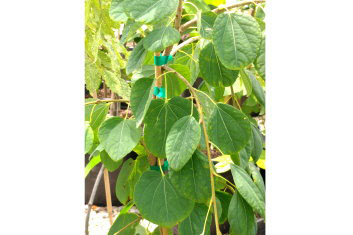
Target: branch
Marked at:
181, 45
177, 23
107, 101
217, 11
198, 104
93, 195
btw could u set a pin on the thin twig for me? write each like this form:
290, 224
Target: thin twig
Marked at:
131, 223
198, 104
181, 45
107, 101
93, 195
217, 11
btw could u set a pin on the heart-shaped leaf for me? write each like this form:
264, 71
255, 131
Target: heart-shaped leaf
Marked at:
182, 141
119, 136
159, 202
141, 96
193, 180
236, 39
229, 129
161, 38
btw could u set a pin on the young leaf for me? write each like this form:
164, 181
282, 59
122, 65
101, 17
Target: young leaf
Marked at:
92, 77
241, 217
236, 39
98, 115
257, 143
150, 11
212, 69
119, 136
122, 221
229, 129
136, 58
261, 59
91, 164
129, 31
108, 162
248, 190
89, 136
193, 225
193, 180
160, 118
159, 202
161, 38
116, 11
117, 84
122, 189
182, 141
141, 96
255, 173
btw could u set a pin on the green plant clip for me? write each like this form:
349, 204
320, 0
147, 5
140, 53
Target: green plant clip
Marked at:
159, 92
162, 60
164, 167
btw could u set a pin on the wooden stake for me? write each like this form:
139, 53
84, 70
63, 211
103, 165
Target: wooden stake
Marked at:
108, 195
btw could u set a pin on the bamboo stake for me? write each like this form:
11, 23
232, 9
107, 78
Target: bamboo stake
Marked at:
108, 195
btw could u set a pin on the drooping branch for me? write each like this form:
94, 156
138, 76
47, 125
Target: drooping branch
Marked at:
212, 173
217, 11
185, 43
108, 101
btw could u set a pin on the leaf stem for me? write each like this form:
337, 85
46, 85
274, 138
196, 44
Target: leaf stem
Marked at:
204, 224
160, 167
129, 224
108, 101
234, 97
198, 104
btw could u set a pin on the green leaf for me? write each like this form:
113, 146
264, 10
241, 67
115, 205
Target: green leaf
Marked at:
224, 199
189, 56
98, 115
207, 104
159, 202
119, 137
257, 143
205, 24
193, 225
109, 163
157, 231
182, 141
117, 84
236, 39
257, 178
92, 77
261, 59
122, 188
193, 180
146, 71
175, 86
248, 190
257, 89
212, 69
122, 221
161, 38
136, 58
141, 97
140, 165
129, 31
159, 119
241, 217
116, 11
244, 75
89, 136
91, 164
150, 11
229, 129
